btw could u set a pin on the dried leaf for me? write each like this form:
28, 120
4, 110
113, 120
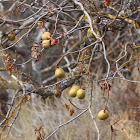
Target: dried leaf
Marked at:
67, 107
74, 103
71, 112
106, 2
130, 70
28, 97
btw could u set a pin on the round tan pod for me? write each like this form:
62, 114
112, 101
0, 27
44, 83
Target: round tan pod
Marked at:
46, 44
75, 87
80, 94
11, 36
103, 114
46, 35
73, 92
59, 73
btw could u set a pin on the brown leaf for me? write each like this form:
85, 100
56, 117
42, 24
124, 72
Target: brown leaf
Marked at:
130, 70
71, 112
106, 2
67, 107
